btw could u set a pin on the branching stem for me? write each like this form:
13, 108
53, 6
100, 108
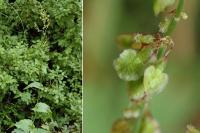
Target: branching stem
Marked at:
173, 22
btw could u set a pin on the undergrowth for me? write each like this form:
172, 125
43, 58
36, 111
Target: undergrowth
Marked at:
40, 66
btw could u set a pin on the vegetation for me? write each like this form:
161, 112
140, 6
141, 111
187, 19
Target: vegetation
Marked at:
40, 66
141, 64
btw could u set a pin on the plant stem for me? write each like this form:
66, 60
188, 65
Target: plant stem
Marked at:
138, 124
177, 15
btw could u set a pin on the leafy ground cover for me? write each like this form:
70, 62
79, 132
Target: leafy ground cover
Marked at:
40, 66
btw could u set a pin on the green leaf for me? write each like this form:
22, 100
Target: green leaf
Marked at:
25, 125
18, 131
34, 85
26, 97
39, 130
2, 4
127, 65
160, 5
42, 108
154, 79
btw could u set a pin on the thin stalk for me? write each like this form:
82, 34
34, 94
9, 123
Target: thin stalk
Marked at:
177, 15
138, 124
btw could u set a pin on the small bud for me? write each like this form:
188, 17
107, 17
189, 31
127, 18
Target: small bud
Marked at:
129, 113
177, 19
125, 40
154, 79
136, 46
184, 15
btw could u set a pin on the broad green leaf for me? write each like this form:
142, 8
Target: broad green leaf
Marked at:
160, 5
39, 130
18, 131
25, 125
34, 85
127, 65
154, 79
42, 108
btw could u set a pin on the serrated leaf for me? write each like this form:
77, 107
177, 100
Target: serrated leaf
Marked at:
25, 125
42, 108
160, 5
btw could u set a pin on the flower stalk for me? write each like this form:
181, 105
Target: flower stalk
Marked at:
141, 64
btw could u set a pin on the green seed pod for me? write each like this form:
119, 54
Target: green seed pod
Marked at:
130, 65
127, 65
135, 41
125, 40
123, 126
154, 79
146, 39
150, 125
136, 90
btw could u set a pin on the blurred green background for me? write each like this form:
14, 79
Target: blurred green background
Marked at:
105, 95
